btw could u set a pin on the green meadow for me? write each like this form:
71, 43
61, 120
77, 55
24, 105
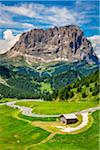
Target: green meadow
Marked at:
17, 133
54, 107
88, 140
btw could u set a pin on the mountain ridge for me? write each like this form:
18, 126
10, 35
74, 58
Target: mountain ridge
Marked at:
66, 43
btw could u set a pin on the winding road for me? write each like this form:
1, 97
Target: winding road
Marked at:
28, 112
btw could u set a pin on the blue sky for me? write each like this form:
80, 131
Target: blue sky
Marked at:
21, 16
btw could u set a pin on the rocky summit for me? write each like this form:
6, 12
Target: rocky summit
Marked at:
64, 43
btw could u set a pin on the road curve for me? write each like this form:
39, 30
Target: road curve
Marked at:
27, 110
72, 129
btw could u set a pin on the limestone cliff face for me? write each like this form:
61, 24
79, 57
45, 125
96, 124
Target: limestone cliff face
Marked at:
63, 43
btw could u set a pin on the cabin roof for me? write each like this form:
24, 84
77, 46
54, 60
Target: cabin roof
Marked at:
69, 116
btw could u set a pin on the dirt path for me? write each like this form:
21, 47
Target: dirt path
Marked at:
43, 141
16, 115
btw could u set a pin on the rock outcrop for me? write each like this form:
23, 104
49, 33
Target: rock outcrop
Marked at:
63, 43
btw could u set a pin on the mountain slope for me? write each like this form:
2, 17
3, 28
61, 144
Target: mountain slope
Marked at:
39, 81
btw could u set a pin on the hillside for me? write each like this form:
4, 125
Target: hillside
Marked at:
86, 89
23, 81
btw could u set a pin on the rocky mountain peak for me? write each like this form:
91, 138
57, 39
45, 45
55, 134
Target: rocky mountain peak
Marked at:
64, 43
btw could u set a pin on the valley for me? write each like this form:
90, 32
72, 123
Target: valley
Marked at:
48, 80
33, 96
49, 85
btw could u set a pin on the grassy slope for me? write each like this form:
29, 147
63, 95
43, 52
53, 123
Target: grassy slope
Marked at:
4, 100
16, 134
46, 87
54, 107
89, 97
88, 140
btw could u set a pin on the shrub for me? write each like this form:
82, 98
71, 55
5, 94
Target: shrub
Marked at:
66, 95
84, 95
96, 91
79, 89
87, 84
91, 89
71, 94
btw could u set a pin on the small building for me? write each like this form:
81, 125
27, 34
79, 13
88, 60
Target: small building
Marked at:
68, 118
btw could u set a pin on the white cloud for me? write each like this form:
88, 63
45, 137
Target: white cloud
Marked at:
8, 35
95, 40
8, 41
8, 22
53, 15
59, 16
83, 5
23, 9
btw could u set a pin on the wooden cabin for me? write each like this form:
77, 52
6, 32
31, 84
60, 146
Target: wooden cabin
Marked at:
68, 118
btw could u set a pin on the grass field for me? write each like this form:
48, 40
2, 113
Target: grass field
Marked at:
54, 107
51, 125
18, 134
88, 140
4, 100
